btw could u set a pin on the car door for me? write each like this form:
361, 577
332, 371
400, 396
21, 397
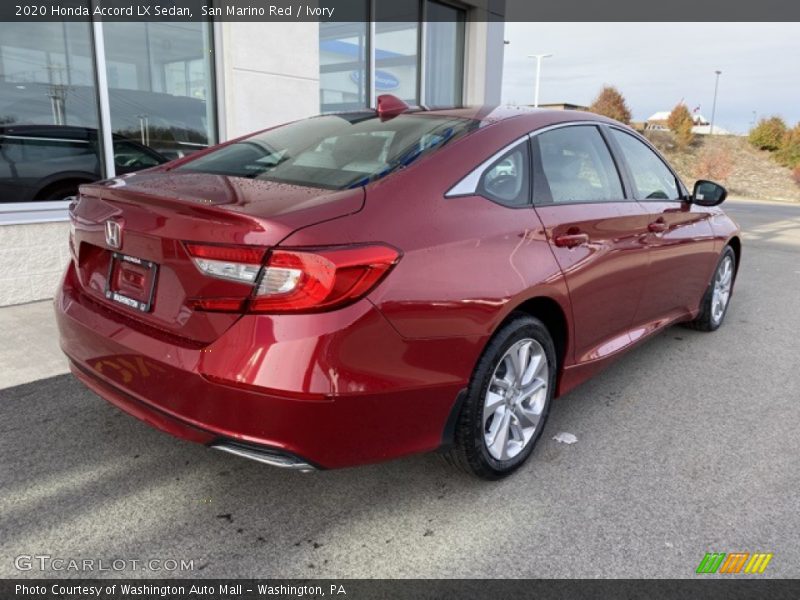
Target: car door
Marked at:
596, 232
680, 239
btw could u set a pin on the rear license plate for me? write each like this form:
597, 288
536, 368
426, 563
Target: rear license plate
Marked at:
131, 281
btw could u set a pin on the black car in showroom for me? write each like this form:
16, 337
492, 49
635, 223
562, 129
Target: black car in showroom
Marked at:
49, 162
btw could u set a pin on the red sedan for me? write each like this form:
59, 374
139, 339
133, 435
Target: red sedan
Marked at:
356, 287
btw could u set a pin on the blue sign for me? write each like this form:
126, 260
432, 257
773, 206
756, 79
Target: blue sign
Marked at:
384, 81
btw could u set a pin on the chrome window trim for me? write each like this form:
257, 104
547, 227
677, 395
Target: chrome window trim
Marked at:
468, 185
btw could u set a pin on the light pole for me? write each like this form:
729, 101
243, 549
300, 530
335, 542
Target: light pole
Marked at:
538, 58
714, 106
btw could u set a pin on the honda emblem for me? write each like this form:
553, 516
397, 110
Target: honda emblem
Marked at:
114, 234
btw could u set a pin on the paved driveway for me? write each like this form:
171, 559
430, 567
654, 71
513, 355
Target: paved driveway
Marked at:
688, 444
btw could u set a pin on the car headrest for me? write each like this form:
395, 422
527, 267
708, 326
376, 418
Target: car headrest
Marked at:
566, 166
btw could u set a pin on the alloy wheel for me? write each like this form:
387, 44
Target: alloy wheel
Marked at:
722, 289
515, 399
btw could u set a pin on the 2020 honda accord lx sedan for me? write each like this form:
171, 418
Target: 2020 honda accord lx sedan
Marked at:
355, 287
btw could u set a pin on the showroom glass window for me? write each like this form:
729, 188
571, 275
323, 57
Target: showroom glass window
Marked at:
160, 90
347, 71
343, 80
444, 55
396, 49
48, 111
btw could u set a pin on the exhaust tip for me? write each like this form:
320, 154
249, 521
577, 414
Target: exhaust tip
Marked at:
267, 456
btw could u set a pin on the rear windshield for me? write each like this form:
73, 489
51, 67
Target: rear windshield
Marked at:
333, 151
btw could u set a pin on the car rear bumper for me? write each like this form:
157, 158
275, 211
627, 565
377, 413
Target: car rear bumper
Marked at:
175, 426
325, 391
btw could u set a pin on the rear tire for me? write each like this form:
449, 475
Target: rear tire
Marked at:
507, 402
717, 298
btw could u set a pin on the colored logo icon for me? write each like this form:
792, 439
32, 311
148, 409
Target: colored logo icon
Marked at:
734, 562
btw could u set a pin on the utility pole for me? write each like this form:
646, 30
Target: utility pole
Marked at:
538, 58
714, 106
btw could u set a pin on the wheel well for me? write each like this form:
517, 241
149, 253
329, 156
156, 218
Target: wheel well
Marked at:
736, 244
76, 181
549, 312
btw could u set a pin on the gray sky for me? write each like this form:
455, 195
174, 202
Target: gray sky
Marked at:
655, 65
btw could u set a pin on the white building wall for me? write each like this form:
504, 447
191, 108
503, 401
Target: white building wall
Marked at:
33, 257
483, 76
269, 75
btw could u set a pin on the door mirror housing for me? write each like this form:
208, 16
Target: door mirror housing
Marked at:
708, 193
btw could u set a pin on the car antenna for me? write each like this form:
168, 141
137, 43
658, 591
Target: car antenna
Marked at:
390, 106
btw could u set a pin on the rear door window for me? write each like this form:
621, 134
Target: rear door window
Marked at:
575, 165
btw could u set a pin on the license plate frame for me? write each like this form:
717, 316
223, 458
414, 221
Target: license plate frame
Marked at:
133, 303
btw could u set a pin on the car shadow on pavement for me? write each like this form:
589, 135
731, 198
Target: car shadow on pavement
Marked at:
73, 467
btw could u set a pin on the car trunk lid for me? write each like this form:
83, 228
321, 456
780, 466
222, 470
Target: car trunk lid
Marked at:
148, 274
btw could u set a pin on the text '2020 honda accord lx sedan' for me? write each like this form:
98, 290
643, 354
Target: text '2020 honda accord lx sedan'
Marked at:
355, 287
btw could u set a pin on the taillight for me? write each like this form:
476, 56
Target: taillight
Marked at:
235, 263
292, 280
320, 279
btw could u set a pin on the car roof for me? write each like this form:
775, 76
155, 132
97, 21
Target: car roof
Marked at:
530, 118
489, 114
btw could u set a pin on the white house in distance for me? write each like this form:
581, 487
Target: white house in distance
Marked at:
658, 122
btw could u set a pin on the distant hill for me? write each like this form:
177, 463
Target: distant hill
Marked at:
751, 173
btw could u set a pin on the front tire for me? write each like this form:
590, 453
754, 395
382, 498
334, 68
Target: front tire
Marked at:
507, 402
716, 300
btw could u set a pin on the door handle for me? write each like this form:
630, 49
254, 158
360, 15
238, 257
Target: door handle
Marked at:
570, 240
657, 226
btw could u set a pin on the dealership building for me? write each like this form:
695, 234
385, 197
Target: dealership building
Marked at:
80, 101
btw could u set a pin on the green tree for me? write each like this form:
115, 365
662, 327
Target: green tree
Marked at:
611, 103
768, 134
681, 123
788, 153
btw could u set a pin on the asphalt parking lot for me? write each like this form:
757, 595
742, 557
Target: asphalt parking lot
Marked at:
688, 444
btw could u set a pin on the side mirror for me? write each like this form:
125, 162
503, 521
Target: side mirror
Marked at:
708, 193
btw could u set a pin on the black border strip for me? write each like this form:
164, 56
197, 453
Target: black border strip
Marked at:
711, 11
416, 589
